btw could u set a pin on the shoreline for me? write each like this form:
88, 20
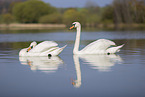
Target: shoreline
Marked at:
16, 26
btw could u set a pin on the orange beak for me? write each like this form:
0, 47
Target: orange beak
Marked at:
29, 49
71, 27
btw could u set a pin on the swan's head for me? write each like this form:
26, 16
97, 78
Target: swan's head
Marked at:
32, 45
75, 25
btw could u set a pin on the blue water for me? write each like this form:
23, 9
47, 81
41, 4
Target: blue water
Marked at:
68, 75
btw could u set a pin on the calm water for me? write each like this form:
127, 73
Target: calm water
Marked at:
120, 75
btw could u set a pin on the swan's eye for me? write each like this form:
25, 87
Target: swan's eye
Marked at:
74, 24
31, 47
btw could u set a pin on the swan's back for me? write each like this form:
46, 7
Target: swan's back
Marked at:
98, 45
43, 46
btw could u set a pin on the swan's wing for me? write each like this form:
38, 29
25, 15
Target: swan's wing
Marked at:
101, 44
53, 51
43, 46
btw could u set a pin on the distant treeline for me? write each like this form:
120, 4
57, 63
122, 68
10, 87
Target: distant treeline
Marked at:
6, 5
36, 11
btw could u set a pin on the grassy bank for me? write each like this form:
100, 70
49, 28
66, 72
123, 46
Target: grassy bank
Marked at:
31, 26
62, 26
122, 26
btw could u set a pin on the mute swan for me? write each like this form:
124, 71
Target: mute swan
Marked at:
45, 48
101, 46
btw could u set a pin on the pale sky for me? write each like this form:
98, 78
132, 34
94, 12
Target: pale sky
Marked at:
75, 3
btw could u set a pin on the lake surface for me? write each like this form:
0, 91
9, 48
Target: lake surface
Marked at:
68, 75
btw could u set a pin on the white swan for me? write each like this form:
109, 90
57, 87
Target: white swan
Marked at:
45, 48
101, 46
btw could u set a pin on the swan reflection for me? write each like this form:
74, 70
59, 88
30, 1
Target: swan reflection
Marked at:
44, 64
77, 83
103, 63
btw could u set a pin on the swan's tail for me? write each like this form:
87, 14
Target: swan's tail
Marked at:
113, 50
57, 51
61, 49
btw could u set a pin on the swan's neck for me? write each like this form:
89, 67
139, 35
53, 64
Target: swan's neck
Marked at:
77, 41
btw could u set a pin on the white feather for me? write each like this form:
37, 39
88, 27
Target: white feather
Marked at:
98, 46
43, 49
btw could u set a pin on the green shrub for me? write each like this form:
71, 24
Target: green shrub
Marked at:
31, 10
51, 18
72, 15
6, 18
